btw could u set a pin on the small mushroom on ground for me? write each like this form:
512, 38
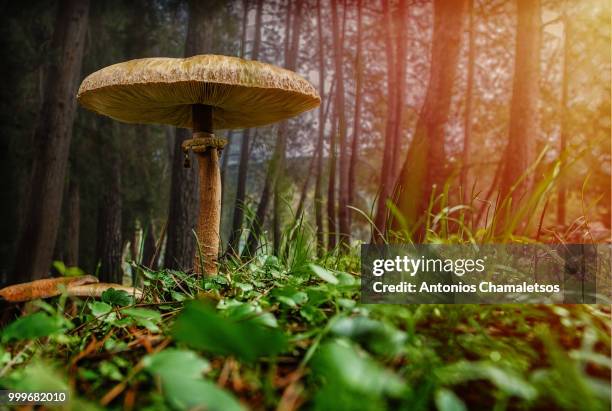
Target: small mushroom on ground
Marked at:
81, 286
95, 290
202, 93
46, 288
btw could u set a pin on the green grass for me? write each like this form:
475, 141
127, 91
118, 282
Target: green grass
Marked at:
291, 332
287, 332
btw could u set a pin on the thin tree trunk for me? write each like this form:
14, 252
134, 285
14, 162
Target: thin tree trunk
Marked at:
520, 151
277, 206
331, 187
52, 143
184, 196
561, 199
343, 164
400, 72
109, 246
225, 163
170, 137
279, 183
424, 168
357, 117
239, 205
73, 224
469, 91
318, 197
386, 175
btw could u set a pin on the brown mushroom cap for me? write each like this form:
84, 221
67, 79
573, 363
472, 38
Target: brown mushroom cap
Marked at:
161, 91
45, 288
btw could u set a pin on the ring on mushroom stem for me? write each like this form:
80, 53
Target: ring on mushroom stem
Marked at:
202, 93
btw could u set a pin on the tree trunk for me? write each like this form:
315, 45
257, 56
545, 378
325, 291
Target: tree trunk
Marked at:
467, 119
523, 129
243, 166
183, 208
292, 41
73, 224
386, 174
343, 165
225, 163
279, 188
318, 197
52, 143
109, 246
357, 117
401, 24
561, 198
331, 187
424, 169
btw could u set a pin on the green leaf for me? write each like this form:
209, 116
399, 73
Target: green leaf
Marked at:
447, 400
272, 263
144, 317
117, 297
110, 370
39, 376
73, 272
244, 286
287, 301
99, 308
341, 364
60, 267
345, 278
375, 335
312, 314
290, 296
506, 380
32, 326
180, 373
67, 271
142, 313
323, 274
174, 362
202, 327
240, 311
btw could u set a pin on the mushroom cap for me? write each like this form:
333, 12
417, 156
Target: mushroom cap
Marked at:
243, 93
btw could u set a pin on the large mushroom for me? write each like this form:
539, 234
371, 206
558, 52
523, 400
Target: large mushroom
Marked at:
203, 93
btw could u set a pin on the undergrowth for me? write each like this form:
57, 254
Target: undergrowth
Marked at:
289, 333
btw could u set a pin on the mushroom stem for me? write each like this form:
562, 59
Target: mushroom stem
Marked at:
209, 217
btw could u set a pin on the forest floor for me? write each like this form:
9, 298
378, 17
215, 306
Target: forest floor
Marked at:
292, 334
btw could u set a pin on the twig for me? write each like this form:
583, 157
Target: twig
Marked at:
119, 388
15, 358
